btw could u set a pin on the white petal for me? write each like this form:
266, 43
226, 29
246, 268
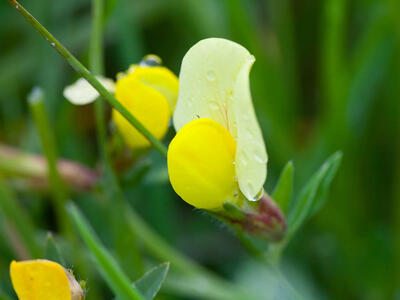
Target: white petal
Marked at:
214, 83
81, 92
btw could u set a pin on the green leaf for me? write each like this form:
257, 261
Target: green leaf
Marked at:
105, 263
150, 283
283, 190
333, 163
51, 250
313, 195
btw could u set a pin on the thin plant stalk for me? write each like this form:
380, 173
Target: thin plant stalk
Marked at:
17, 215
58, 189
108, 267
85, 73
96, 63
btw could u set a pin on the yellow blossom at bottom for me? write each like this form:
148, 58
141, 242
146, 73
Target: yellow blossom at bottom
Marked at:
43, 280
201, 164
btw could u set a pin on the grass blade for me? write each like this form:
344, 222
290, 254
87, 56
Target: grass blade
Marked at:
105, 263
313, 195
283, 190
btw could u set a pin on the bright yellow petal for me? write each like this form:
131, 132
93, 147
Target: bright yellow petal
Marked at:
160, 79
146, 104
214, 83
40, 280
201, 164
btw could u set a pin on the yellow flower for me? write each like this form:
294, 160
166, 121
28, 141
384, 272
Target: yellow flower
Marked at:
218, 149
43, 280
150, 94
148, 90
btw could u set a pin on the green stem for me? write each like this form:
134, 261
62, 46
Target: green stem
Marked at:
57, 186
96, 55
81, 70
97, 67
108, 267
33, 168
211, 283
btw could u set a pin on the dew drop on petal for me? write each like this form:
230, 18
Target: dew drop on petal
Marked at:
258, 157
213, 105
249, 134
210, 75
244, 158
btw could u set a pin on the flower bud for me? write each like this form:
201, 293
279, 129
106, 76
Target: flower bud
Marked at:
263, 218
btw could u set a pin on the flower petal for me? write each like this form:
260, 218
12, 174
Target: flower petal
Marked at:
160, 79
146, 104
214, 83
201, 164
81, 92
40, 279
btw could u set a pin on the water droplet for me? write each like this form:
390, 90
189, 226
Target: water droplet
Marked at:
249, 192
213, 105
249, 134
53, 44
210, 75
259, 157
235, 193
244, 159
17, 7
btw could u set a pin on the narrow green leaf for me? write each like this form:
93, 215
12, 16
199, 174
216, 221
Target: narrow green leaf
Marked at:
313, 195
150, 283
107, 266
18, 216
283, 190
333, 163
51, 250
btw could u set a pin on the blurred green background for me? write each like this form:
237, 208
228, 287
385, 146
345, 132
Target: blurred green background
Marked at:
326, 78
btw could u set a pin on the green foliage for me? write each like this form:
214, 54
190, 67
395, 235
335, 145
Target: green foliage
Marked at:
313, 194
282, 193
105, 263
52, 252
150, 283
325, 78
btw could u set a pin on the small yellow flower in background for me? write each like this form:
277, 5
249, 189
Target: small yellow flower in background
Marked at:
44, 280
148, 90
218, 153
